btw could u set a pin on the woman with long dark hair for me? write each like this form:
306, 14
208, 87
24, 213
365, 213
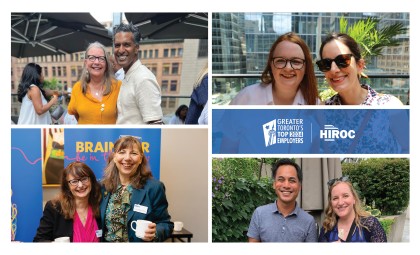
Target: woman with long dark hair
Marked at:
35, 107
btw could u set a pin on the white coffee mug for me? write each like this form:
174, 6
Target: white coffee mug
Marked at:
141, 226
178, 225
64, 239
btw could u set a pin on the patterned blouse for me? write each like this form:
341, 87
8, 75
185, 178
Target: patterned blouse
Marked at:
371, 232
372, 98
116, 215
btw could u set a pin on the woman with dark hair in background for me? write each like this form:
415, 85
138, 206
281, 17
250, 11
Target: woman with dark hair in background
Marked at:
75, 211
35, 107
180, 115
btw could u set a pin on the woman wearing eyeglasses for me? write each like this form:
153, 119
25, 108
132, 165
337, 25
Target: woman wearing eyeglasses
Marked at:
342, 64
94, 96
130, 193
288, 78
345, 220
74, 213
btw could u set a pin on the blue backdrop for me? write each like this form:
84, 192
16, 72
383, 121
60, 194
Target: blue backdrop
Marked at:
26, 183
331, 131
92, 146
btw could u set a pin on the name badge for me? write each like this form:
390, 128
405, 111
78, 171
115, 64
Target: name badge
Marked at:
98, 233
140, 208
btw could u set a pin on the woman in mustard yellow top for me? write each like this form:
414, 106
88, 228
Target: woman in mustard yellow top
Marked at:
94, 96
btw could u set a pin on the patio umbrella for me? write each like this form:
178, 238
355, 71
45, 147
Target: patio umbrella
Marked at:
40, 34
170, 25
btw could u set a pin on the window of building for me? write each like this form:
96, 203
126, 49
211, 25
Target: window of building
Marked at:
174, 86
150, 53
140, 54
163, 102
54, 72
173, 52
172, 102
202, 48
164, 86
180, 51
45, 71
175, 68
73, 71
79, 70
156, 53
64, 70
166, 53
145, 54
153, 69
165, 69
59, 71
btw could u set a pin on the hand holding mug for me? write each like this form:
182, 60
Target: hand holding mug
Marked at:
145, 229
150, 232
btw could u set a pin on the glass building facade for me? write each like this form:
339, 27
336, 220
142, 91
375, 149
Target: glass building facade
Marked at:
241, 42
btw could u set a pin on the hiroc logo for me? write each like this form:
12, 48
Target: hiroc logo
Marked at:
330, 133
269, 130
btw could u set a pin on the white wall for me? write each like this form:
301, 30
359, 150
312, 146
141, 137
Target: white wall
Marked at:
184, 163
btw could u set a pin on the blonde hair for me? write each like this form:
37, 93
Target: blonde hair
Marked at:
331, 218
201, 75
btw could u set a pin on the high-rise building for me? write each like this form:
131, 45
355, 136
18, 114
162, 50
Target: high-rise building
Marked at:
241, 42
260, 30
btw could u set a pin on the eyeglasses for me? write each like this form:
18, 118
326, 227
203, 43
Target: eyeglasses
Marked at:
295, 63
341, 179
92, 58
75, 182
342, 61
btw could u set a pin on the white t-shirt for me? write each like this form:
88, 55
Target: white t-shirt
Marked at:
262, 94
28, 114
203, 119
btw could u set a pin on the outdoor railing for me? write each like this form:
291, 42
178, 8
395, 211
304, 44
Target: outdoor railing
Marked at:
169, 105
226, 86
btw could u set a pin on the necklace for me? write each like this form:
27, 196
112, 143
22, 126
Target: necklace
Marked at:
96, 92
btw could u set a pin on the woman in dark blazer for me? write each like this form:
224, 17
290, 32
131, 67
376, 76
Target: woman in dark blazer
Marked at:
75, 211
130, 193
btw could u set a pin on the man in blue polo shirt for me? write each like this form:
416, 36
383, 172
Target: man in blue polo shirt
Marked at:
283, 220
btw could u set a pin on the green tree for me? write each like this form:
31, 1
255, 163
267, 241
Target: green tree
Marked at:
371, 40
52, 84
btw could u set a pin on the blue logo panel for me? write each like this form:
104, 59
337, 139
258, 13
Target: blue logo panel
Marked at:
317, 131
93, 146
